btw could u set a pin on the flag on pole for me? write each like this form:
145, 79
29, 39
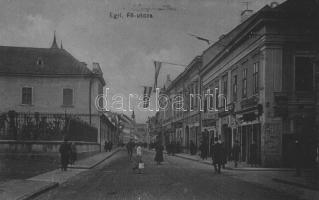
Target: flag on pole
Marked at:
147, 95
200, 38
157, 66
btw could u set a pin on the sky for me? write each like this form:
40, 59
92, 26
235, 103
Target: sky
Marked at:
124, 47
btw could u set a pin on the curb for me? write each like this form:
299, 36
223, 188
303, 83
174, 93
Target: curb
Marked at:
238, 169
54, 184
40, 191
295, 184
95, 164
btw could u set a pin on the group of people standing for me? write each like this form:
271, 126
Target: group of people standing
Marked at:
172, 147
130, 146
108, 145
68, 154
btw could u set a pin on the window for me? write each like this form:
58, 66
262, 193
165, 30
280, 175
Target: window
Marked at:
67, 97
211, 99
39, 61
196, 95
224, 95
256, 77
217, 97
303, 74
244, 88
27, 95
192, 96
235, 88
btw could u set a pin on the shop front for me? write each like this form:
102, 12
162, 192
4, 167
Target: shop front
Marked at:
248, 132
209, 131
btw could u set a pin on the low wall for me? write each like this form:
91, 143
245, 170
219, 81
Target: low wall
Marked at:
44, 147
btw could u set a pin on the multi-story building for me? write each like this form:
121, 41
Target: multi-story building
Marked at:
181, 121
265, 73
51, 83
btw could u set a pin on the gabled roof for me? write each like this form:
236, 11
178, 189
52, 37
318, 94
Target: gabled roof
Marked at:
40, 61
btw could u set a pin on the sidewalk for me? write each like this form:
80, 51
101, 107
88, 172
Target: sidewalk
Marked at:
27, 189
308, 180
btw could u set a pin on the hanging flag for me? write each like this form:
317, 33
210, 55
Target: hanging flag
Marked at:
157, 66
147, 95
200, 38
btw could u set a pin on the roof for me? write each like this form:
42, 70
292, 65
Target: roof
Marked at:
290, 9
40, 61
191, 65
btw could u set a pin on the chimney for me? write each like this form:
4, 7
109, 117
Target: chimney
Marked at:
274, 4
245, 15
96, 68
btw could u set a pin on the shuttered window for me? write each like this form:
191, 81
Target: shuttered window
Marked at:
67, 97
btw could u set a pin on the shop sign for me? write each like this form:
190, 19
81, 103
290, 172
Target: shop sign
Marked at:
253, 101
249, 117
209, 122
178, 125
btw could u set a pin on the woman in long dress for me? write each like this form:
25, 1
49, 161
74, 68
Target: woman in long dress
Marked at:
159, 153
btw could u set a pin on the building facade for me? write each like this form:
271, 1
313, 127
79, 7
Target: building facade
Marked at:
265, 69
259, 86
50, 82
181, 117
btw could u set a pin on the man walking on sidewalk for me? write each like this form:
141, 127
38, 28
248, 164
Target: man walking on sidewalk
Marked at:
65, 150
236, 151
130, 147
217, 155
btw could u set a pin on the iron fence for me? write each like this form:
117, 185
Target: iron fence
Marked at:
45, 126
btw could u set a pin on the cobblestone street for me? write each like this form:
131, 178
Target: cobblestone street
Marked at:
176, 178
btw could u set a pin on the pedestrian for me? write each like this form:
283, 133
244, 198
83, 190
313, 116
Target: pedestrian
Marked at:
235, 152
170, 148
201, 148
110, 145
73, 154
106, 145
217, 155
204, 150
298, 155
167, 148
174, 148
192, 147
159, 153
65, 150
224, 155
253, 154
138, 158
130, 147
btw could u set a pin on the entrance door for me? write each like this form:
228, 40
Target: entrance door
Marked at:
227, 139
187, 137
243, 143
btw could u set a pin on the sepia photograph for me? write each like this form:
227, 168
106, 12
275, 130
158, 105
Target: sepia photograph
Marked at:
159, 99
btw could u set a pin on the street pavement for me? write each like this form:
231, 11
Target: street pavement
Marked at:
176, 178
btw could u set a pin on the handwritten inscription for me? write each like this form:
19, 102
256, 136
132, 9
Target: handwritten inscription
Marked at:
136, 15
